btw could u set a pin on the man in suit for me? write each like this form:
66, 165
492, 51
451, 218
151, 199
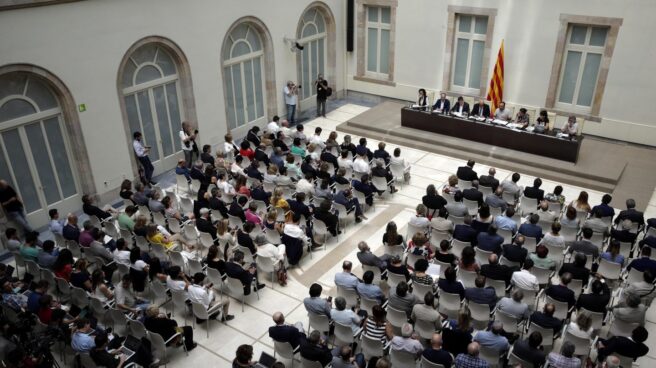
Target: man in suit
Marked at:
631, 213
489, 180
365, 187
623, 233
367, 258
345, 198
235, 269
481, 294
298, 206
259, 194
481, 109
473, 194
435, 353
217, 204
71, 231
490, 241
561, 292
464, 232
577, 269
632, 347
286, 333
442, 105
237, 208
496, 200
515, 252
535, 191
606, 209
530, 349
531, 228
630, 310
546, 318
495, 271
457, 208
260, 155
597, 299
253, 172
244, 238
467, 173
204, 223
645, 262
460, 107
314, 349
584, 245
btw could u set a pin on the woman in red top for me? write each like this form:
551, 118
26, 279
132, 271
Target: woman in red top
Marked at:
246, 150
241, 187
63, 266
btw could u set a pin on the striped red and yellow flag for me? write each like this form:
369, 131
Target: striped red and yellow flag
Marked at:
495, 94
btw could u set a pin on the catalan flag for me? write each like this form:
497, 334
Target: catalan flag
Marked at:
495, 94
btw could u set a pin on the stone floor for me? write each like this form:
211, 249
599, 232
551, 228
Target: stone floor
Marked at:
251, 325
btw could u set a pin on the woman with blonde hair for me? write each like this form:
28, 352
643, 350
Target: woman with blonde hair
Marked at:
581, 203
140, 225
582, 327
452, 185
155, 236
271, 221
331, 142
225, 236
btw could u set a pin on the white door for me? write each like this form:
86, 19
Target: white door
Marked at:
312, 36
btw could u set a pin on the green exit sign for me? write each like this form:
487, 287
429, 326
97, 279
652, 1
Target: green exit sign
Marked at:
82, 107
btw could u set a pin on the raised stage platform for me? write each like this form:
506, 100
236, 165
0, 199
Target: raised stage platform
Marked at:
621, 169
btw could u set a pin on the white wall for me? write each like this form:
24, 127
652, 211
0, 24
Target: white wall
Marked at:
530, 30
83, 43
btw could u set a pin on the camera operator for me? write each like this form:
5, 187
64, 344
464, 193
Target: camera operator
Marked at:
188, 140
322, 95
291, 98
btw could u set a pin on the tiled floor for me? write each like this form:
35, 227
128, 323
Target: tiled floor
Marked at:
251, 325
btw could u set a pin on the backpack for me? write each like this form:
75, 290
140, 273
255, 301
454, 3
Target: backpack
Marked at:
329, 92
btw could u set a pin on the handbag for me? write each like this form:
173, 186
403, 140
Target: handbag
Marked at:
282, 276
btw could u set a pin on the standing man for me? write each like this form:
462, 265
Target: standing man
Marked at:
142, 155
187, 138
291, 91
13, 206
322, 95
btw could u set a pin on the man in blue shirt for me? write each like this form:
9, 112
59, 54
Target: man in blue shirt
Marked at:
505, 221
35, 296
315, 304
82, 341
481, 294
48, 255
368, 290
606, 210
531, 228
490, 241
346, 279
493, 339
182, 169
56, 225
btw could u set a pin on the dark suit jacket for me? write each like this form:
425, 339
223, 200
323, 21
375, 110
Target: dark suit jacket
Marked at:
237, 271
433, 202
245, 240
236, 210
261, 156
315, 353
286, 333
606, 210
623, 346
542, 320
92, 210
217, 204
497, 272
525, 352
578, 273
465, 108
71, 232
260, 194
532, 192
488, 181
438, 356
650, 240
485, 295
642, 264
254, 173
206, 226
253, 138
308, 169
530, 230
562, 294
595, 302
299, 208
466, 173
476, 110
328, 218
514, 253
465, 233
626, 236
451, 287
632, 214
381, 153
447, 105
473, 194
489, 243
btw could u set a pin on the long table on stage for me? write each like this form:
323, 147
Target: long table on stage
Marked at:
548, 145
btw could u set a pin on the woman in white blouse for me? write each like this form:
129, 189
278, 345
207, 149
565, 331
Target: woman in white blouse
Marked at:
582, 327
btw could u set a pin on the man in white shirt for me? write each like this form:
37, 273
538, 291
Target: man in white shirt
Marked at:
305, 186
205, 296
511, 186
273, 126
268, 250
419, 220
502, 113
524, 279
121, 253
316, 138
187, 138
224, 186
56, 225
176, 279
290, 91
125, 299
361, 166
141, 152
344, 161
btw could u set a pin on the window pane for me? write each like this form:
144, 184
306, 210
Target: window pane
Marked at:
257, 67
460, 70
128, 73
144, 54
147, 73
476, 64
598, 36
239, 94
465, 23
240, 48
321, 56
578, 35
41, 95
165, 62
588, 79
385, 15
250, 93
373, 13
314, 50
227, 48
253, 39
372, 49
60, 156
12, 84
305, 71
384, 50
24, 182
15, 108
149, 137
174, 113
309, 30
133, 114
481, 25
570, 75
42, 162
4, 170
240, 31
228, 90
163, 121
321, 24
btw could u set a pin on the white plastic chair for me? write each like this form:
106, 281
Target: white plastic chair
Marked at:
401, 358
200, 312
285, 350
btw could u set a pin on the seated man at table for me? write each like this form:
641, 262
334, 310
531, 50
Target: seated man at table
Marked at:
522, 118
442, 105
481, 109
502, 113
461, 107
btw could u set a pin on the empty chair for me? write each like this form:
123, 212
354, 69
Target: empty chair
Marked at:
119, 321
179, 298
467, 278
609, 270
490, 355
371, 347
320, 231
267, 265
514, 359
305, 363
396, 318
621, 328
420, 290
457, 246
344, 334
159, 345
498, 285
510, 323
482, 256
137, 329
350, 295
582, 345
285, 350
236, 288
472, 206
449, 304
33, 269
542, 274
480, 313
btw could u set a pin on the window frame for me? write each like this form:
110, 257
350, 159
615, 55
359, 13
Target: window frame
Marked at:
379, 26
362, 74
471, 37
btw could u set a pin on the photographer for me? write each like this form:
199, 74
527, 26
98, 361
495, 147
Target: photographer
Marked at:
291, 98
322, 95
188, 140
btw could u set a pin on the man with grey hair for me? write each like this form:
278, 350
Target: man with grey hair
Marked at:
496, 200
631, 214
290, 92
344, 316
514, 305
346, 279
367, 258
408, 341
282, 332
313, 348
612, 362
566, 358
489, 180
493, 338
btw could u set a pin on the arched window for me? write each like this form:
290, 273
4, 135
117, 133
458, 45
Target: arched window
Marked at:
243, 76
312, 35
35, 154
153, 103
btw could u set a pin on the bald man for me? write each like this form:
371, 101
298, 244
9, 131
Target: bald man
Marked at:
546, 318
282, 332
471, 359
435, 354
71, 231
495, 271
